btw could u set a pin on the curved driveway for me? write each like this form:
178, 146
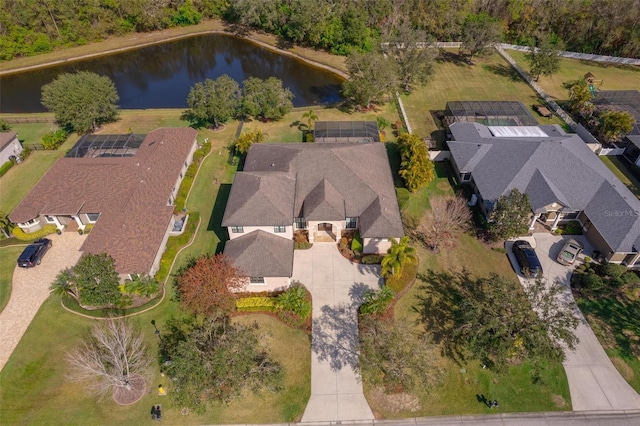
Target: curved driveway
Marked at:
594, 382
30, 288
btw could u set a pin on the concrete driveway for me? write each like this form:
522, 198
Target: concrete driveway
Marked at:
594, 382
337, 287
30, 288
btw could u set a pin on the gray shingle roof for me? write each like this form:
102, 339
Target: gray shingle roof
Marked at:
260, 198
261, 254
355, 173
559, 168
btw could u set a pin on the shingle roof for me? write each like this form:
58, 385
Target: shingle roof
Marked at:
324, 202
261, 254
355, 173
559, 168
6, 138
260, 198
130, 193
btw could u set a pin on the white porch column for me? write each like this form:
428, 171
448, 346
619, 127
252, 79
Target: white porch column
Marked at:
79, 222
533, 222
555, 221
338, 231
312, 233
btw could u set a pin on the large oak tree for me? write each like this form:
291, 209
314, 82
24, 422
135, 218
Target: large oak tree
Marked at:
81, 101
213, 102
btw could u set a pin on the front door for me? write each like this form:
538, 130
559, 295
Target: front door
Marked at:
326, 227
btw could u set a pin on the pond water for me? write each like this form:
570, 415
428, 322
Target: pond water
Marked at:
160, 76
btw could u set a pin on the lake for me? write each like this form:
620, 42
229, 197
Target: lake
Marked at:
160, 76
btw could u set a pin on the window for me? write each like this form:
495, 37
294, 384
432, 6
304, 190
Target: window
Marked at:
93, 217
50, 219
256, 280
279, 229
465, 177
29, 223
301, 223
351, 223
571, 215
180, 175
237, 229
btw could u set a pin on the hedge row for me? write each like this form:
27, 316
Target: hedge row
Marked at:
252, 304
5, 167
43, 232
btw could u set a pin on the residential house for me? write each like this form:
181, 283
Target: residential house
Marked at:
122, 185
10, 146
321, 189
563, 178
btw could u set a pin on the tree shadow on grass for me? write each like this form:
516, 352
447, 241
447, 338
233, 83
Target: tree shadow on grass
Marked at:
454, 58
438, 307
503, 71
215, 222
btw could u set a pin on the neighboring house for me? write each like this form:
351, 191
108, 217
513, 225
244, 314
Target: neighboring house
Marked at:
563, 178
10, 146
318, 188
629, 101
124, 185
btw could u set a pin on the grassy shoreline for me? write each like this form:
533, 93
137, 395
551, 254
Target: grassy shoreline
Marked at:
333, 63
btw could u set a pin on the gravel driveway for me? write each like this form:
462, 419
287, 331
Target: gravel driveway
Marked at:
30, 288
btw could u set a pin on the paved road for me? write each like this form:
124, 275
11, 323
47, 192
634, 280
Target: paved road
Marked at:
594, 382
30, 288
336, 286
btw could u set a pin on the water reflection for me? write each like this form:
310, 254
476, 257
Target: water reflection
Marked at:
160, 76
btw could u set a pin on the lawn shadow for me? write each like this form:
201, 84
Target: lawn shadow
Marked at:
215, 222
438, 306
503, 71
394, 161
458, 59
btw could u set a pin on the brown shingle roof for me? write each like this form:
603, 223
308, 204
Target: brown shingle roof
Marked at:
261, 254
131, 195
6, 138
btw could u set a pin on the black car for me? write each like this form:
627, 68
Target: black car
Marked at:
33, 254
530, 265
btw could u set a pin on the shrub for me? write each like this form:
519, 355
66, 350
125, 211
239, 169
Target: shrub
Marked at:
630, 277
88, 228
25, 153
399, 282
294, 300
571, 228
5, 167
42, 232
377, 302
305, 245
611, 270
356, 243
592, 282
372, 259
53, 140
256, 304
344, 242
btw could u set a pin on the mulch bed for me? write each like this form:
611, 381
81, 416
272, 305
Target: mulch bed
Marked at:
125, 396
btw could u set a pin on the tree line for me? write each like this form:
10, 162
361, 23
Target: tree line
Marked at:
609, 27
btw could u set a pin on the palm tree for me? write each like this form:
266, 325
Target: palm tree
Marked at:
311, 118
398, 256
63, 284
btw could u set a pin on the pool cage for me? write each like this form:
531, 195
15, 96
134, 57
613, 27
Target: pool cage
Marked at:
96, 146
346, 131
620, 100
489, 113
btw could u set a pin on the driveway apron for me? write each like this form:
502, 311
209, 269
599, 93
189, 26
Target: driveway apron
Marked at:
30, 288
337, 287
594, 382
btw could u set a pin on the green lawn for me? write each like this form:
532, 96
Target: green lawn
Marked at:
620, 168
465, 382
614, 77
8, 257
489, 79
615, 319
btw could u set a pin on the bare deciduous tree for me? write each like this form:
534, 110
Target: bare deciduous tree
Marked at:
112, 357
448, 215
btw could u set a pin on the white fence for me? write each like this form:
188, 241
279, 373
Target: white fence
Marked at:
584, 56
404, 113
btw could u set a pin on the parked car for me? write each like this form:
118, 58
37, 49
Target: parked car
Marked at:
528, 261
33, 254
569, 252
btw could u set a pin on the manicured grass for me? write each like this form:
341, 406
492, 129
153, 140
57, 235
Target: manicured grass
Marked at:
615, 320
489, 79
614, 77
8, 257
464, 381
620, 168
